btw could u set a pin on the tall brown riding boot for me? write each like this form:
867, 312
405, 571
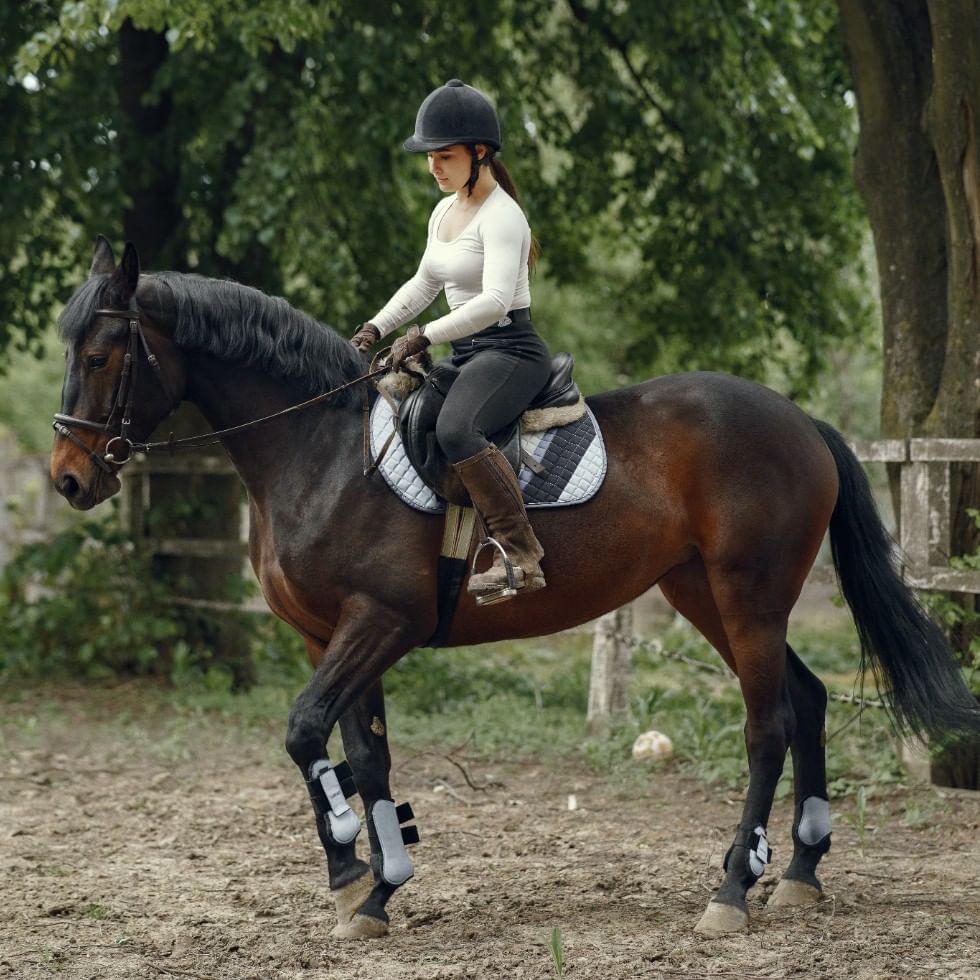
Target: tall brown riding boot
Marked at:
496, 495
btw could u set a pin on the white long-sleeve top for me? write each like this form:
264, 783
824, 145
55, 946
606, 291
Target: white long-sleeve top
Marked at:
483, 271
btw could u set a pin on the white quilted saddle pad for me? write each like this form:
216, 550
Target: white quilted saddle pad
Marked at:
573, 458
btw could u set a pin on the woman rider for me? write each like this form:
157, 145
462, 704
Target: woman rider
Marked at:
477, 250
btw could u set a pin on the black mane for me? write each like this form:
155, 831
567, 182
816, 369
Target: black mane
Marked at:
232, 322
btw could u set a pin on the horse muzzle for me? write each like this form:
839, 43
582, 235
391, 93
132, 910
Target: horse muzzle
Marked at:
81, 483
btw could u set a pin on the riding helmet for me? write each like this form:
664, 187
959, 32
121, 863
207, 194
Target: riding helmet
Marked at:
454, 113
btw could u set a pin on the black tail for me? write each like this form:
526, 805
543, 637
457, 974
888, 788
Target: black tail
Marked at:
916, 672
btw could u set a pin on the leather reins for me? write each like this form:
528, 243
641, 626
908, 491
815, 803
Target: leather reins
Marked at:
125, 397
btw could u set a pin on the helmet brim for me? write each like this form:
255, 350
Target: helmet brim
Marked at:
415, 144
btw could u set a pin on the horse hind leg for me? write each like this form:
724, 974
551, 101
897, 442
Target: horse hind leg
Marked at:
753, 610
799, 884
688, 590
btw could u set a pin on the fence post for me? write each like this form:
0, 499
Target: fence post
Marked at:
612, 661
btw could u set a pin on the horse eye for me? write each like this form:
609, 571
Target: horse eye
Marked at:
97, 361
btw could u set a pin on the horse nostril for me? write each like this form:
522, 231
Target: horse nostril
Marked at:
68, 486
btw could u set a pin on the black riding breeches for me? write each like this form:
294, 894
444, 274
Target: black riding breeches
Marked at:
501, 370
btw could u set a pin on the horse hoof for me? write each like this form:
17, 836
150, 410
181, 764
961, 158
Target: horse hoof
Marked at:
720, 920
351, 897
790, 892
360, 927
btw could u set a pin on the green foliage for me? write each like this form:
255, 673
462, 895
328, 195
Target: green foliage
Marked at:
859, 819
29, 392
688, 175
960, 614
84, 604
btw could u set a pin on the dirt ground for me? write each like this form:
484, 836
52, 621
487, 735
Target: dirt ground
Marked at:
130, 848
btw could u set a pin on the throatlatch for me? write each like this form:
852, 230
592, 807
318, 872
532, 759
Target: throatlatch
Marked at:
389, 859
329, 787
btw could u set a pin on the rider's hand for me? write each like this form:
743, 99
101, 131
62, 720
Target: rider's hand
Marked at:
414, 342
366, 336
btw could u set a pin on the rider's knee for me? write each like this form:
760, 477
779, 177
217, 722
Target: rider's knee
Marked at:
457, 440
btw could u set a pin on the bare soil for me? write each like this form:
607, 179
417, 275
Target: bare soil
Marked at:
137, 846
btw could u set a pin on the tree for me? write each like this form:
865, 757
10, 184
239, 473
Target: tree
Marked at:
916, 71
686, 174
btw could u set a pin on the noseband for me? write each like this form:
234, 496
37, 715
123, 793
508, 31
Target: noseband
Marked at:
123, 401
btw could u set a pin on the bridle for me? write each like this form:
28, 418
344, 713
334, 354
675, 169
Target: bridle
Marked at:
122, 403
126, 395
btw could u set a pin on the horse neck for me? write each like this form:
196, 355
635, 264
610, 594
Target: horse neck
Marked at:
229, 394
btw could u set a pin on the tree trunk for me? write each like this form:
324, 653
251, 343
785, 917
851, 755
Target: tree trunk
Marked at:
149, 162
916, 71
183, 506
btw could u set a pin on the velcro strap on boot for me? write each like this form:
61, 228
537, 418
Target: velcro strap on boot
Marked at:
345, 776
404, 812
325, 789
760, 854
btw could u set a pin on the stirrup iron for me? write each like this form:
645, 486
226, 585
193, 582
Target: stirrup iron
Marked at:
490, 596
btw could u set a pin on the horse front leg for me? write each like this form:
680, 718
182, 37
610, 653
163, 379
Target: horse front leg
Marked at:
361, 908
345, 681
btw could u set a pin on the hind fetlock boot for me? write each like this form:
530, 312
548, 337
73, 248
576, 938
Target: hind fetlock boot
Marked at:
496, 495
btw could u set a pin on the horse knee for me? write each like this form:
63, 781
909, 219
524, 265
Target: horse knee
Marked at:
305, 740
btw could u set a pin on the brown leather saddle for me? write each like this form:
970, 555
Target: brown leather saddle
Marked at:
419, 411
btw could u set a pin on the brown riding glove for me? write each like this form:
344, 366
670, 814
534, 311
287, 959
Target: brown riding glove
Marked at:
414, 342
366, 336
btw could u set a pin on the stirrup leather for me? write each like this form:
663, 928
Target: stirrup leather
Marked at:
490, 596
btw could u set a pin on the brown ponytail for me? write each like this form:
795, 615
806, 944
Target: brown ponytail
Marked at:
503, 177
505, 180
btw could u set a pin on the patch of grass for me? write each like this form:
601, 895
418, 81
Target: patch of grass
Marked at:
557, 949
522, 699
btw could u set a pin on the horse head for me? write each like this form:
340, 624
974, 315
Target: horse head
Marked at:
123, 376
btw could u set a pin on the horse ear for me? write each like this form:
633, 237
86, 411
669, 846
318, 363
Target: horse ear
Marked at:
103, 261
130, 269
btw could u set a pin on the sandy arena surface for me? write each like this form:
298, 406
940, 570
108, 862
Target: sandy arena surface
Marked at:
130, 849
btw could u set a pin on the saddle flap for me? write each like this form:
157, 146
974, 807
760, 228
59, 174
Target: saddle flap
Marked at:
418, 414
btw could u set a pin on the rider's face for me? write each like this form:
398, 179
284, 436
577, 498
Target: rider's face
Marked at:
451, 166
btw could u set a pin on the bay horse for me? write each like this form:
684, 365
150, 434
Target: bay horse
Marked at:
718, 490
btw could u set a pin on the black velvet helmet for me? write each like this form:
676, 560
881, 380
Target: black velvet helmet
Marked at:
454, 113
